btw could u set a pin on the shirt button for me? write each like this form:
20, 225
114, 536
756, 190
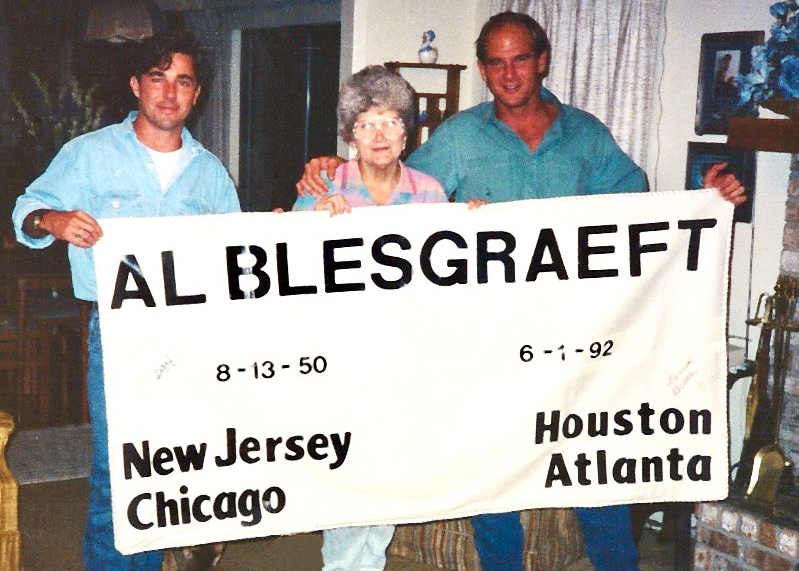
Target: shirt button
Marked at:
150, 166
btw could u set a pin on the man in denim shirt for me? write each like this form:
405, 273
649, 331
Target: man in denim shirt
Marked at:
148, 165
526, 144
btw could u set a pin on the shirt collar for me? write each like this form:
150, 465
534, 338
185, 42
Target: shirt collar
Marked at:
189, 143
553, 134
349, 176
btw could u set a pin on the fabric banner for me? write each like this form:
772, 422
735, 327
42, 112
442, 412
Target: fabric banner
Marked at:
280, 373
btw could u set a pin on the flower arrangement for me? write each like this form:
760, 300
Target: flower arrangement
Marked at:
48, 122
775, 64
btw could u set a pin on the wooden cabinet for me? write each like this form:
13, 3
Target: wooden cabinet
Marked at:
434, 107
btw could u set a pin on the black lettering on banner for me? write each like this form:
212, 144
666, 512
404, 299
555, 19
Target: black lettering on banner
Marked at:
188, 458
283, 285
646, 412
699, 468
129, 266
503, 255
185, 508
674, 459
161, 457
235, 271
697, 415
600, 429
403, 265
602, 466
541, 426
624, 471
249, 506
131, 457
279, 503
133, 512
225, 505
546, 243
297, 451
197, 508
170, 283
315, 443
247, 446
582, 464
332, 266
572, 426
672, 427
650, 465
557, 471
584, 251
164, 506
695, 226
459, 275
623, 424
636, 248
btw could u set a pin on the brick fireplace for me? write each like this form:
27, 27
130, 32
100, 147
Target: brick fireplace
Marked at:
732, 535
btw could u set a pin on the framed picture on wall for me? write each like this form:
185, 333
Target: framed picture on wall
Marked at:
723, 57
740, 162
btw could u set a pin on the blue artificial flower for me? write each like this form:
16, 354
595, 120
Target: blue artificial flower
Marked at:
788, 80
780, 33
779, 10
775, 63
746, 88
760, 64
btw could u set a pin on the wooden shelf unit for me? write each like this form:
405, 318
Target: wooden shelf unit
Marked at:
431, 102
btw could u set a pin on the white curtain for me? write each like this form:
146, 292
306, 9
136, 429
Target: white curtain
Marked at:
604, 57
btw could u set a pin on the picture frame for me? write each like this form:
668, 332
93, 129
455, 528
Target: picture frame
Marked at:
723, 56
740, 162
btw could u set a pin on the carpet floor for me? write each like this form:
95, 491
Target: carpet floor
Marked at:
50, 454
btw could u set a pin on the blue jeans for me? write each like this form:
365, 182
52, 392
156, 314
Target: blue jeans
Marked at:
99, 553
360, 548
607, 537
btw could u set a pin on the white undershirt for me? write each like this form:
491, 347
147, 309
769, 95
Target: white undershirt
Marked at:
165, 165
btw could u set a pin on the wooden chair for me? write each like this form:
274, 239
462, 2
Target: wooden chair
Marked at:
49, 326
9, 531
10, 368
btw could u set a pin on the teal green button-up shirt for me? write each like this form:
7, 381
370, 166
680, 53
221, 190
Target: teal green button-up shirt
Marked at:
475, 155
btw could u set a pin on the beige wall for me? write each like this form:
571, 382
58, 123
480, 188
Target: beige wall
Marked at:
758, 244
686, 21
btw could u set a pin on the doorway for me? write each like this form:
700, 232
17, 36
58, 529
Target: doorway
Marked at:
289, 92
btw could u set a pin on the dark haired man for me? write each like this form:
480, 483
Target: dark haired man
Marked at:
148, 165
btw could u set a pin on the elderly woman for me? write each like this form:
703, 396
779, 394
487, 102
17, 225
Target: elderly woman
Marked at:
375, 113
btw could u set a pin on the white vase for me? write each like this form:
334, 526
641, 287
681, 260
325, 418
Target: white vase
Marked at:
428, 54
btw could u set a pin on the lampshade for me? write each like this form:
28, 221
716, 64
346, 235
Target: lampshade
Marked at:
123, 20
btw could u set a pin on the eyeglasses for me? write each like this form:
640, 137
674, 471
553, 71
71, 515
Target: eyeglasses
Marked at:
366, 130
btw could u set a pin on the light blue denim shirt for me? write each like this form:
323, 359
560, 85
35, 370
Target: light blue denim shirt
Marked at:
475, 155
110, 174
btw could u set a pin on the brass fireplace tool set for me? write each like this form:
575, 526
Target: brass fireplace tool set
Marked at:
764, 479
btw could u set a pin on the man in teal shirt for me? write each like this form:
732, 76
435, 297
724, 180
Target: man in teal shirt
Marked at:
526, 144
475, 155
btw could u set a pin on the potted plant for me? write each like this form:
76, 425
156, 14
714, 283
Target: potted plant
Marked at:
48, 121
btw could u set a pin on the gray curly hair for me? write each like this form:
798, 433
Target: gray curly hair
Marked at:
374, 86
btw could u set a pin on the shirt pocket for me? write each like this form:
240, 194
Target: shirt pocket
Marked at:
116, 204
188, 205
